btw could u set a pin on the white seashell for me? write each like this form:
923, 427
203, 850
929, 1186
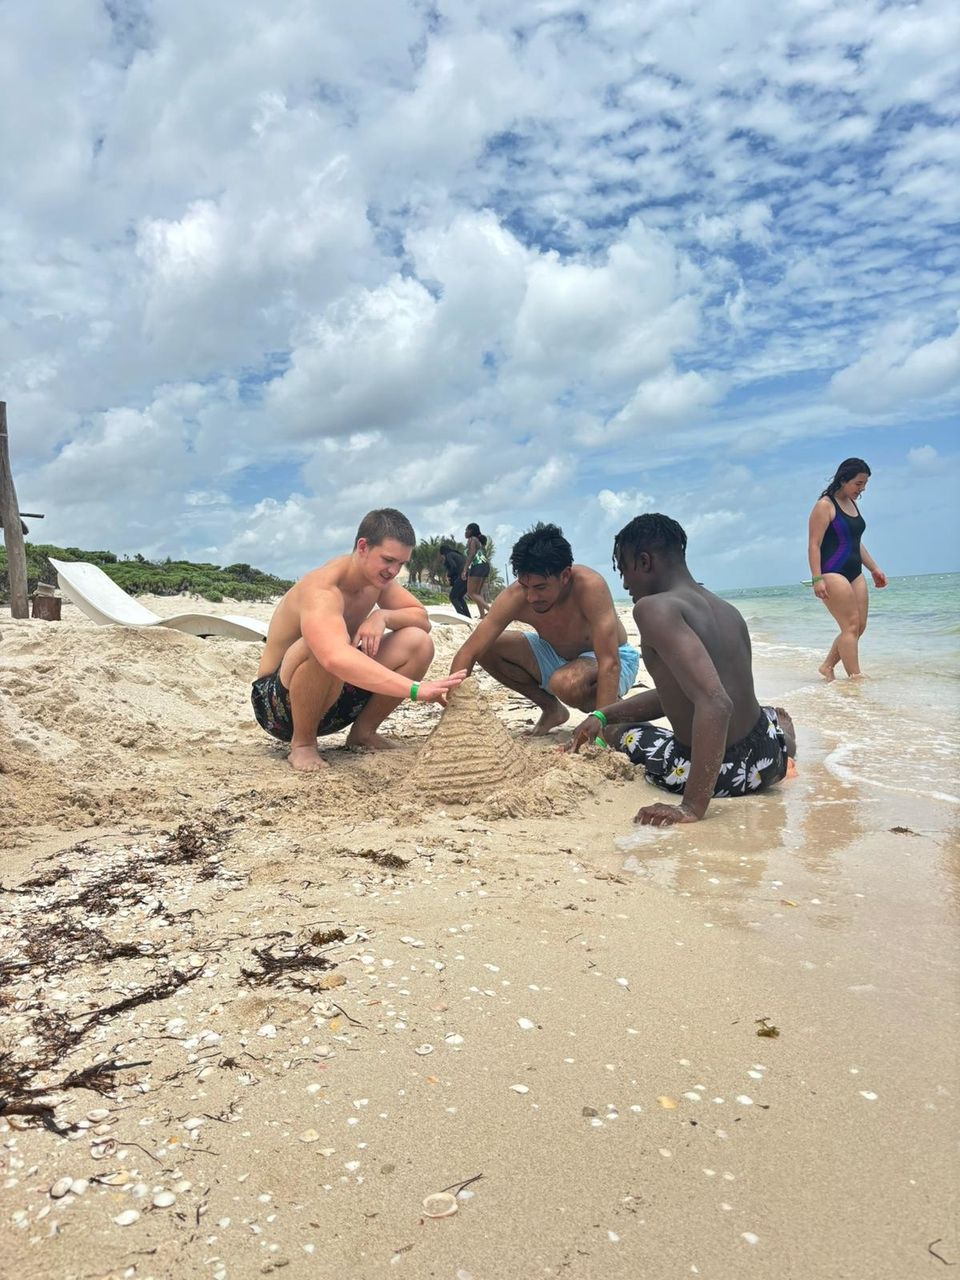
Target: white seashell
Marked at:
519, 1088
194, 1123
61, 1187
440, 1205
424, 1049
268, 1030
323, 1051
164, 1199
79, 1186
183, 1185
103, 1149
525, 1024
127, 1218
309, 1135
98, 1114
454, 1039
205, 1073
119, 1179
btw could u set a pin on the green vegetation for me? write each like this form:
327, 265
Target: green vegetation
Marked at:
139, 576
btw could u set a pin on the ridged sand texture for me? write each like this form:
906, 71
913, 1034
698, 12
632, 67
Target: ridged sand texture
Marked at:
469, 755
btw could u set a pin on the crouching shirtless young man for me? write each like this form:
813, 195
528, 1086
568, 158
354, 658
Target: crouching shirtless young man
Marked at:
697, 649
346, 644
579, 654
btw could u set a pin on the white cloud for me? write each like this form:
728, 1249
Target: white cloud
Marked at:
263, 266
893, 371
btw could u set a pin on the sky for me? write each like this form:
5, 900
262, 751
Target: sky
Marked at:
266, 267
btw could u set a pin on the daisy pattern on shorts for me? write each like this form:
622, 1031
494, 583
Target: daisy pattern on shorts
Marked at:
755, 771
677, 775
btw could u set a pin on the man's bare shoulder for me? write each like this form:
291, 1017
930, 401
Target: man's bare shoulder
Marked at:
510, 602
587, 582
324, 581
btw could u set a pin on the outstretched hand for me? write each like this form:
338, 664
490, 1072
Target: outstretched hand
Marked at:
437, 690
664, 815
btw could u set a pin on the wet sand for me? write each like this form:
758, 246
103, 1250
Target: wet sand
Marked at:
516, 997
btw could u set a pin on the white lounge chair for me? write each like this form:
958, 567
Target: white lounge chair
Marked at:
99, 597
449, 616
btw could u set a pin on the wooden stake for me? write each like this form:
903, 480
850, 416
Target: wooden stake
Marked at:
12, 533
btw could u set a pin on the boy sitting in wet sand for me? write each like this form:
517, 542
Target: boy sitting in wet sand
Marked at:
346, 644
697, 649
579, 655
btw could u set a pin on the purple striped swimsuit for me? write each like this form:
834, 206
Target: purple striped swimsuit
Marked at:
840, 548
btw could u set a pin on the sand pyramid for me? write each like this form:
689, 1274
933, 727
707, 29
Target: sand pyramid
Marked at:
469, 755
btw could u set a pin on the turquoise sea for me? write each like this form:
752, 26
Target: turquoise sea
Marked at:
897, 730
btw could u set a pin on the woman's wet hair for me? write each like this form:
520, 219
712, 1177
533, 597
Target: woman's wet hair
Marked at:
386, 522
542, 550
650, 532
473, 531
846, 471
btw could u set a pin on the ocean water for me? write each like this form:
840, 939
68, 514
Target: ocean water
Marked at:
898, 730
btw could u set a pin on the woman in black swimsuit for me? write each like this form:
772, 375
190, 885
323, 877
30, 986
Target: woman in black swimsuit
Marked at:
837, 556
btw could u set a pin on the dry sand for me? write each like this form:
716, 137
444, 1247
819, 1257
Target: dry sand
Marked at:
271, 1013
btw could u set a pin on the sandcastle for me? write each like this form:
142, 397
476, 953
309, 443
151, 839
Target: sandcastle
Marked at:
470, 755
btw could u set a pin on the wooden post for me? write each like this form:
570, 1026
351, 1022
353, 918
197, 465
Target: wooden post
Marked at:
12, 534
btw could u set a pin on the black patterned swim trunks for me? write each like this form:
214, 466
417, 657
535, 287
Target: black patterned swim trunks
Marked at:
757, 761
271, 706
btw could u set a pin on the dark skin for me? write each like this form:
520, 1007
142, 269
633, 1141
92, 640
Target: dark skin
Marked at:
697, 649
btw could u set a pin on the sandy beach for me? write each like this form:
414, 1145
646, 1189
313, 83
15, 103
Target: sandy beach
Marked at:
261, 1017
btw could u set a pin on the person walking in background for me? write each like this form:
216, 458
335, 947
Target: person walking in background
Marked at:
454, 564
837, 555
477, 566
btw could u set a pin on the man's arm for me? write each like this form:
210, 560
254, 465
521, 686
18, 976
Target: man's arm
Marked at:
501, 613
598, 608
401, 608
397, 608
633, 710
665, 629
325, 632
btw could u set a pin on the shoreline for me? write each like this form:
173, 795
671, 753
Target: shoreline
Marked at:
804, 906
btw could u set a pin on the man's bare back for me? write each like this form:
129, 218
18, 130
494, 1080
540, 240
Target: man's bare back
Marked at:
724, 635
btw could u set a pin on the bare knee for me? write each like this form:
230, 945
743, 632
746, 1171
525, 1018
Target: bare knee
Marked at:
572, 689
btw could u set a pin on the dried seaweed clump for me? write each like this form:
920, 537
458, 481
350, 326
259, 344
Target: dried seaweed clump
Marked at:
469, 755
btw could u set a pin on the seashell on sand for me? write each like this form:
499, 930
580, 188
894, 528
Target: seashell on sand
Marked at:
442, 1204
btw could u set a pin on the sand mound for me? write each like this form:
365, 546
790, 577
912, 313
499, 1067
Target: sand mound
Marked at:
470, 755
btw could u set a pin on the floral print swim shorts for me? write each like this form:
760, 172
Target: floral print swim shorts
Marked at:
758, 760
271, 706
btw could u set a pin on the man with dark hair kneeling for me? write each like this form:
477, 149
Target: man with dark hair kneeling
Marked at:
697, 649
579, 654
345, 645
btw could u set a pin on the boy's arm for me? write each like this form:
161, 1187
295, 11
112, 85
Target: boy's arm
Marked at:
325, 632
397, 608
665, 629
501, 613
597, 605
633, 710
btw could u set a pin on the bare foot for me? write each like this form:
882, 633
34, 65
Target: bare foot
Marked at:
306, 759
857, 675
369, 741
827, 672
552, 718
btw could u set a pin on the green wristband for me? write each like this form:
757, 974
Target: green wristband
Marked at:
818, 578
414, 690
599, 742
601, 717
